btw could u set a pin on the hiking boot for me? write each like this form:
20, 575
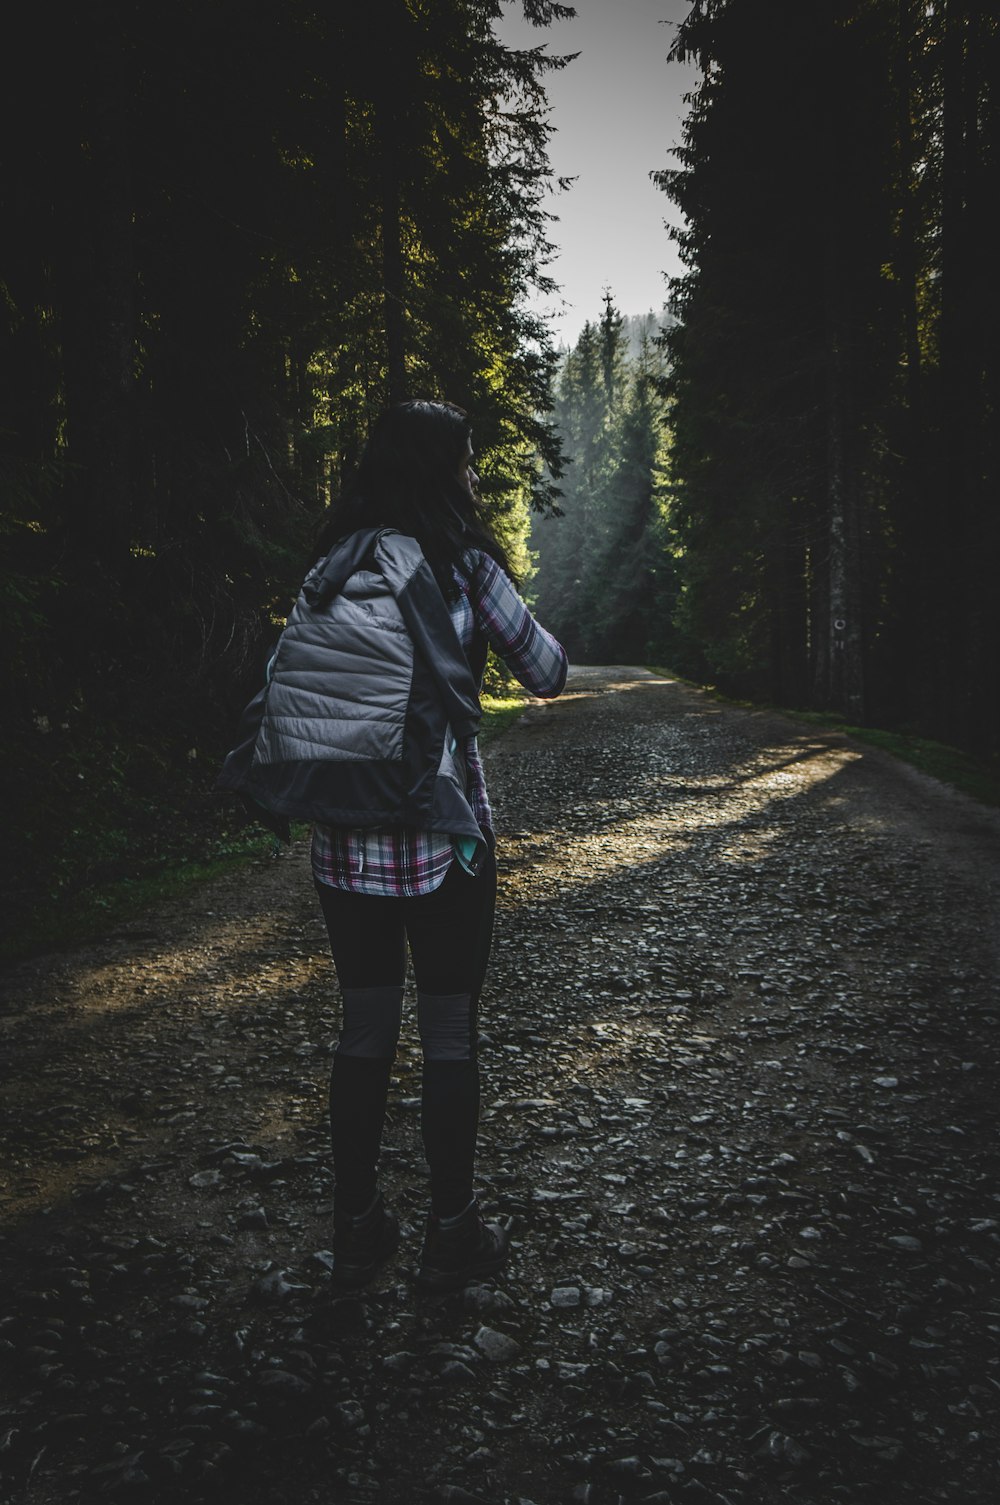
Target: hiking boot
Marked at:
362, 1242
458, 1249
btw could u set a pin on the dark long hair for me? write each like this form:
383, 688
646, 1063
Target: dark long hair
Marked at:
407, 478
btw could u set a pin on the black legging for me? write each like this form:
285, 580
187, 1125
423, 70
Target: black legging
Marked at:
449, 933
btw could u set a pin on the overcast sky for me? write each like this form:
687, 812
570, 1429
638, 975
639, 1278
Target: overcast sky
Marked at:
617, 110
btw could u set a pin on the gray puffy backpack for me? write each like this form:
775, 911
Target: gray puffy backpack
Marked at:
369, 698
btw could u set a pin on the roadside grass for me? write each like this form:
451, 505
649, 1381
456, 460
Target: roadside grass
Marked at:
950, 765
91, 913
498, 713
87, 912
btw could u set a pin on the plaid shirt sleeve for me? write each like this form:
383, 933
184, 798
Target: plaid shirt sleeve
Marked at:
532, 654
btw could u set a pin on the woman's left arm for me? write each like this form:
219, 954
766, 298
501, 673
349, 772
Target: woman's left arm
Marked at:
533, 656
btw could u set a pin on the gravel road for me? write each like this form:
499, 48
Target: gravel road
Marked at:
740, 1100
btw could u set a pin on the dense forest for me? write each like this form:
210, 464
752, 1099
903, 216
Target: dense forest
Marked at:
818, 522
835, 373
233, 234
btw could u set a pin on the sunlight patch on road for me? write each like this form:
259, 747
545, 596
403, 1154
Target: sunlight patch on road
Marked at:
747, 801
237, 961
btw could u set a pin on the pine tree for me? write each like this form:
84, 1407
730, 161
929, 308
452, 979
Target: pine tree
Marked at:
239, 234
800, 368
605, 579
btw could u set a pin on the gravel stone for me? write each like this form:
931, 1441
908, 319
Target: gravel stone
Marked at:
496, 1346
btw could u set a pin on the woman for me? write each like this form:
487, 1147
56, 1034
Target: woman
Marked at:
383, 887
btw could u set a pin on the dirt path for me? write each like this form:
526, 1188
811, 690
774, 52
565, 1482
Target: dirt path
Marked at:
740, 1098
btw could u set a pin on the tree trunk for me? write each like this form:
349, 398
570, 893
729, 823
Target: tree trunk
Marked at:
845, 667
393, 270
959, 389
841, 676
98, 321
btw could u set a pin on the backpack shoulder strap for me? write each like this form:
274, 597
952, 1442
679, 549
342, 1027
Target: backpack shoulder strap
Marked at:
344, 559
431, 626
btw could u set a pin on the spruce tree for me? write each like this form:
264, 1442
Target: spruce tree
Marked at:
238, 235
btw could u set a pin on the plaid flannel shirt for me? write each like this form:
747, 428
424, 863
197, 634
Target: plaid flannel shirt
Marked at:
401, 861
